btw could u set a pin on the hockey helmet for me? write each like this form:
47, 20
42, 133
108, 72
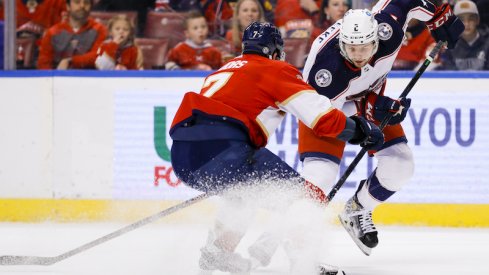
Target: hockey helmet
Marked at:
263, 39
358, 27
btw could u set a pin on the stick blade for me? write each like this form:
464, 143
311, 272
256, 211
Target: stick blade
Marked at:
26, 260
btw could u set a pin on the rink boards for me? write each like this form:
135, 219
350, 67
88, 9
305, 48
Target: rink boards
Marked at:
94, 146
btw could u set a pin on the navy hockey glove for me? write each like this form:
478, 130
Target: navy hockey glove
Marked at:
377, 107
445, 26
367, 134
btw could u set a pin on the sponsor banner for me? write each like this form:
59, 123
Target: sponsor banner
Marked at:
142, 167
447, 128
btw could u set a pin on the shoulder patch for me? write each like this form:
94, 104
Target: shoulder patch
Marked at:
384, 31
323, 78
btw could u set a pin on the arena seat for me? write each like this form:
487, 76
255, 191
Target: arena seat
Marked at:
26, 48
104, 16
168, 25
154, 52
296, 50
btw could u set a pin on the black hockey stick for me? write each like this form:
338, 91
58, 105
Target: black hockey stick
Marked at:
384, 122
38, 260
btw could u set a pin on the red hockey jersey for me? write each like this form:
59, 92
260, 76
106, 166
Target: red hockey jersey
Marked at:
257, 92
187, 55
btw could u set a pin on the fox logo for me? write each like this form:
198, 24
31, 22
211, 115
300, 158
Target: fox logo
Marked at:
162, 149
164, 172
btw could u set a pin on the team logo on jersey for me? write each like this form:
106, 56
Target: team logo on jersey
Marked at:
323, 78
384, 31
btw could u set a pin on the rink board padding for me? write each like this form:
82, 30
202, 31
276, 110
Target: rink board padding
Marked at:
92, 145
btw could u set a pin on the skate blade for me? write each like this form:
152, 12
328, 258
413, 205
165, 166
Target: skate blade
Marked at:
325, 269
365, 249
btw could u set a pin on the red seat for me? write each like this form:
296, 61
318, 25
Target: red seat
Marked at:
104, 16
167, 25
154, 52
26, 48
222, 44
296, 50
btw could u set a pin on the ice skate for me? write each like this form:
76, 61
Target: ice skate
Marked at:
213, 258
325, 269
358, 222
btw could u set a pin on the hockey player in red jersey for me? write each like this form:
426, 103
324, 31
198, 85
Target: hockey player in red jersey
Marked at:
349, 63
219, 134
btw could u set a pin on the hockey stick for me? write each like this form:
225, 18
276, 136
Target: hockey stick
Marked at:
37, 260
384, 122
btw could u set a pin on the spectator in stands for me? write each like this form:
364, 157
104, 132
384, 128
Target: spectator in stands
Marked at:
185, 5
417, 42
141, 6
268, 8
296, 9
34, 16
218, 13
195, 53
330, 12
471, 52
119, 52
72, 43
245, 12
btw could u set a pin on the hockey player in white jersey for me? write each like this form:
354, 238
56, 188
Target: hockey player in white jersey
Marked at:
349, 63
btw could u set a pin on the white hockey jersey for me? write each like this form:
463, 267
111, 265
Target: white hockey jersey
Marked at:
331, 75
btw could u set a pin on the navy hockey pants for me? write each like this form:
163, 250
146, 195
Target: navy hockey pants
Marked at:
214, 165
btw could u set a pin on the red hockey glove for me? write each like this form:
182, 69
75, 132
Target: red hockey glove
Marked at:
377, 107
445, 26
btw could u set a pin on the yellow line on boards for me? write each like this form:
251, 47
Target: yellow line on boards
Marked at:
67, 210
453, 215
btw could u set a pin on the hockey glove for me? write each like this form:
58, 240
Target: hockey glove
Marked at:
377, 107
445, 26
367, 134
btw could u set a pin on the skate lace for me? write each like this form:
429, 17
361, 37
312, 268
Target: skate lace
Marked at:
365, 220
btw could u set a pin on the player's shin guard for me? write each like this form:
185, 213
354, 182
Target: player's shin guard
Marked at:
232, 221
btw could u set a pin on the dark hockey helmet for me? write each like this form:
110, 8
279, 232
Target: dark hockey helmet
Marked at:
263, 39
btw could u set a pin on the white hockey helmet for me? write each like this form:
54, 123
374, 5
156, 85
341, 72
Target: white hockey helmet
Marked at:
358, 27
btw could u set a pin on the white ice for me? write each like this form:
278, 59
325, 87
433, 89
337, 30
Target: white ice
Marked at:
173, 248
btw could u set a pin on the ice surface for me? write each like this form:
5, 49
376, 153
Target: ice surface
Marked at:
173, 248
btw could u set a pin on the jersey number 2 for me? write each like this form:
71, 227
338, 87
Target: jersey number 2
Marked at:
216, 82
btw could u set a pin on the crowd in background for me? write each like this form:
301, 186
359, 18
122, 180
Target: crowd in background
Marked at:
203, 34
